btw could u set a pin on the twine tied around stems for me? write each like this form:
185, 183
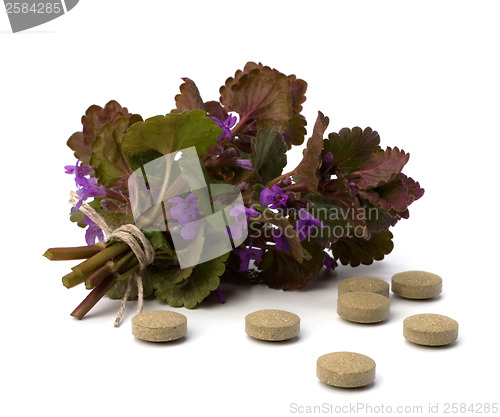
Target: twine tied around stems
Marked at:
135, 239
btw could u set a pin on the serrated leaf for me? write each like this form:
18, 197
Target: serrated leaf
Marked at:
94, 119
356, 250
260, 93
268, 156
395, 195
107, 160
381, 167
308, 167
188, 287
280, 270
173, 132
392, 195
378, 220
189, 98
296, 130
350, 148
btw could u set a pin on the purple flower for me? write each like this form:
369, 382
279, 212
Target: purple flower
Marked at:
281, 240
185, 210
78, 170
226, 126
220, 295
246, 255
88, 187
190, 230
353, 187
329, 262
306, 223
241, 215
273, 197
245, 164
93, 232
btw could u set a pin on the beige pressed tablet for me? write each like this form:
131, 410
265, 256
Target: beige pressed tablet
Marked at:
368, 284
159, 326
345, 369
430, 329
363, 307
417, 285
272, 325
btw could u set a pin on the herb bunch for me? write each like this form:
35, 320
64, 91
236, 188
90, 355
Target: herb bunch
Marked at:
336, 205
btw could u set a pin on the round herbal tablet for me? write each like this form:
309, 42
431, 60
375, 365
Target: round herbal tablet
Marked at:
368, 284
345, 369
430, 329
363, 307
272, 325
417, 285
159, 326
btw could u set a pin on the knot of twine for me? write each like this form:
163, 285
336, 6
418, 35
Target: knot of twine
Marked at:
135, 239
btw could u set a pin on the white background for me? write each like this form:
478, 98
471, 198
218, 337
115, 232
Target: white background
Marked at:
425, 75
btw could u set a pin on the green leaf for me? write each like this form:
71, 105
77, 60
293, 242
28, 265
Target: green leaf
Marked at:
188, 287
356, 250
296, 130
108, 161
308, 167
280, 270
170, 133
260, 93
350, 148
160, 243
189, 98
268, 155
381, 167
94, 119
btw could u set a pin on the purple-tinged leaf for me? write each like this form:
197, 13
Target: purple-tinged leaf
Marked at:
94, 119
351, 147
396, 195
296, 130
381, 167
308, 167
108, 160
259, 93
189, 98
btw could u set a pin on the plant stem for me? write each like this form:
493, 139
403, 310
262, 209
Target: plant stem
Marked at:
99, 275
127, 273
72, 280
77, 252
95, 295
100, 258
278, 179
297, 187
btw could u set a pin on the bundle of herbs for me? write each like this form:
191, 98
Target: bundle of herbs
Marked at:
336, 205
